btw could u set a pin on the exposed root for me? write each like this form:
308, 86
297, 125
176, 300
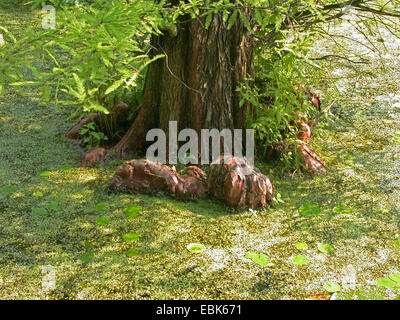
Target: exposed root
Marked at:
147, 176
234, 181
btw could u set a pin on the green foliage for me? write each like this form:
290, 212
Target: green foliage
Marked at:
325, 248
132, 252
301, 246
332, 287
53, 206
92, 137
39, 211
342, 209
132, 211
97, 54
102, 221
309, 209
45, 174
129, 237
300, 260
7, 190
258, 258
195, 247
101, 206
392, 281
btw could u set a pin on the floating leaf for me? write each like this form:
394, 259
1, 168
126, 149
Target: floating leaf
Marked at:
300, 260
301, 245
88, 245
53, 206
309, 209
386, 282
325, 248
131, 252
395, 277
101, 205
195, 247
343, 209
130, 237
258, 258
45, 174
397, 137
87, 257
6, 190
332, 287
38, 194
102, 221
39, 211
132, 211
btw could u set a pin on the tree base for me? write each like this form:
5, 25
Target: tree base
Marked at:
233, 182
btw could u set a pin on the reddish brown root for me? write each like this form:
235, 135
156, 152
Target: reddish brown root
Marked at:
118, 115
311, 96
312, 162
146, 176
238, 185
94, 156
234, 181
73, 133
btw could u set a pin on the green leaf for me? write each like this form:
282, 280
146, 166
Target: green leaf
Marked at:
208, 21
245, 21
300, 260
102, 221
301, 246
101, 205
39, 211
395, 277
232, 19
87, 257
114, 86
386, 282
45, 174
80, 86
88, 245
65, 168
94, 106
53, 206
132, 252
132, 211
38, 194
6, 190
343, 209
129, 237
258, 258
309, 209
332, 287
195, 247
325, 248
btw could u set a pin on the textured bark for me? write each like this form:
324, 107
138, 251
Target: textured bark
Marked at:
312, 162
238, 185
94, 156
233, 182
146, 176
195, 84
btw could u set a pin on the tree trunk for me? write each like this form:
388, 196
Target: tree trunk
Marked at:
195, 84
